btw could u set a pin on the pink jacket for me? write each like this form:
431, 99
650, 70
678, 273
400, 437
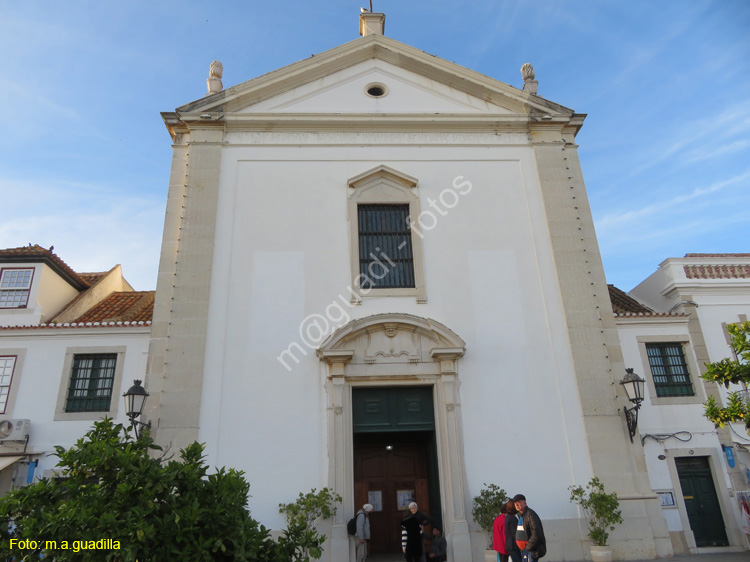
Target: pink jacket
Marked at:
498, 534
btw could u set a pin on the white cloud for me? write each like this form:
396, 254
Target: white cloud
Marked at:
619, 220
92, 229
701, 134
722, 150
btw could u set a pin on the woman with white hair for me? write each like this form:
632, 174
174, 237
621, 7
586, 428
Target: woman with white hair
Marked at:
411, 537
412, 533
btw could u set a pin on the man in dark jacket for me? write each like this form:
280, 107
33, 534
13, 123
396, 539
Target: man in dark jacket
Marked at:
438, 547
536, 545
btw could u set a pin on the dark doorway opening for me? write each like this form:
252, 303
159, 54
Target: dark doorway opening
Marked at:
701, 502
395, 459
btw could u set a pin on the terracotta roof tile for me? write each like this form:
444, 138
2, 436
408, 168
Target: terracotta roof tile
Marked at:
66, 325
94, 277
717, 255
37, 253
622, 303
717, 271
30, 250
121, 307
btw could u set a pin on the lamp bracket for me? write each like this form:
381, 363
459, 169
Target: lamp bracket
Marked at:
135, 423
631, 417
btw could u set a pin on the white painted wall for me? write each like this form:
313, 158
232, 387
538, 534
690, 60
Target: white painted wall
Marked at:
37, 382
49, 294
490, 277
53, 293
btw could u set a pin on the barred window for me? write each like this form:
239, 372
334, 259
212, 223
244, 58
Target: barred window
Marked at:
669, 369
385, 247
91, 382
15, 285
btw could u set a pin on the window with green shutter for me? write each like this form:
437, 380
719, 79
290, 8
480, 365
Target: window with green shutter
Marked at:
91, 382
669, 369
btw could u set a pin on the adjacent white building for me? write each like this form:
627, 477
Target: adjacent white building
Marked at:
702, 473
70, 346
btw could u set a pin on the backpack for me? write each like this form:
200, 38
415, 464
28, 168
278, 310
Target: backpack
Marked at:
351, 526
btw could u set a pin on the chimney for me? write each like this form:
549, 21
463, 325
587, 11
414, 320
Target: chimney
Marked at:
371, 24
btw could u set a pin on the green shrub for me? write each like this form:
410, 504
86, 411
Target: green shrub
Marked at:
154, 509
486, 507
601, 509
306, 512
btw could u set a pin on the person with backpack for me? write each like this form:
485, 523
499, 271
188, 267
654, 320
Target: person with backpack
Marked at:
362, 531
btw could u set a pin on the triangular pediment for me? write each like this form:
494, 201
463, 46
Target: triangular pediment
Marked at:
379, 174
397, 91
336, 81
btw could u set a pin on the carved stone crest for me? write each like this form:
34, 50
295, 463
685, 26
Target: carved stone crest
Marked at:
390, 329
392, 345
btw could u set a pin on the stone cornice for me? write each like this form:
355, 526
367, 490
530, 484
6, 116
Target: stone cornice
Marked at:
447, 353
651, 319
336, 356
551, 130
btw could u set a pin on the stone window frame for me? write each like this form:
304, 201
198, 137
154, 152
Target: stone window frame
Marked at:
670, 357
20, 355
386, 186
693, 370
67, 371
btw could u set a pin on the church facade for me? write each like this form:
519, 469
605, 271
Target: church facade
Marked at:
380, 275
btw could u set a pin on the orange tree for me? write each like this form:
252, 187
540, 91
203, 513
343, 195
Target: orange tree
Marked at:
116, 502
731, 371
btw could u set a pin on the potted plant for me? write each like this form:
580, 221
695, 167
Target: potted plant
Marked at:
485, 508
304, 515
602, 512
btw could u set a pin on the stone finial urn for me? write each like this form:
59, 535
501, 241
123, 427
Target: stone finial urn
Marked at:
213, 82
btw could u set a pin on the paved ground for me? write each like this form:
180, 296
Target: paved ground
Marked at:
711, 557
706, 557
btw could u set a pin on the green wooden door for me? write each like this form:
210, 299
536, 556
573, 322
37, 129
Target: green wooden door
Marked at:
390, 409
701, 502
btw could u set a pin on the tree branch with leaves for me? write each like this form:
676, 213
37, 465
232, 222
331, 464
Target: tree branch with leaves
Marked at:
111, 486
728, 372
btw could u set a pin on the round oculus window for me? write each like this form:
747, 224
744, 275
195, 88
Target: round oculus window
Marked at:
376, 90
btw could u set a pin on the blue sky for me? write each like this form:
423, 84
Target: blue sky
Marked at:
665, 149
